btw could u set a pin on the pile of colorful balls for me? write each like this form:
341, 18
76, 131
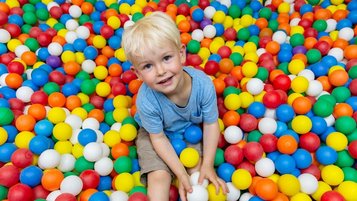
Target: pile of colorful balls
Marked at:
285, 74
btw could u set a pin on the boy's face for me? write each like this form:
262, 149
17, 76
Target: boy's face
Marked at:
162, 69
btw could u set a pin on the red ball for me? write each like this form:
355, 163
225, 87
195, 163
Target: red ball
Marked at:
253, 151
123, 18
353, 87
13, 29
22, 158
16, 67
97, 101
16, 104
248, 122
107, 31
263, 43
173, 193
231, 81
34, 32
221, 142
309, 141
20, 192
3, 18
9, 175
163, 4
268, 142
118, 89
247, 166
57, 77
272, 99
89, 26
183, 9
17, 11
351, 63
233, 155
128, 76
39, 97
7, 57
211, 67
40, 192
90, 179
193, 60
147, 9
65, 7
305, 23
138, 196
230, 34
352, 149
56, 12
310, 32
283, 96
44, 39
194, 25
204, 3
51, 31
323, 47
314, 170
332, 196
282, 82
224, 51
66, 197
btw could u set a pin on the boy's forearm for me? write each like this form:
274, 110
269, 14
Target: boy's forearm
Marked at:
210, 141
167, 153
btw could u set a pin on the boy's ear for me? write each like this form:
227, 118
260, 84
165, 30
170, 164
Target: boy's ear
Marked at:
183, 54
132, 68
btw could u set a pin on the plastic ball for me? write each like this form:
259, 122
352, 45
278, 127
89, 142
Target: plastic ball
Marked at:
308, 183
198, 193
288, 184
50, 158
22, 158
10, 175
189, 157
92, 151
193, 134
332, 195
233, 134
346, 190
267, 125
326, 155
20, 192
124, 182
86, 136
265, 167
241, 179
332, 175
285, 164
232, 102
65, 196
233, 154
255, 86
71, 184
194, 179
128, 132
119, 196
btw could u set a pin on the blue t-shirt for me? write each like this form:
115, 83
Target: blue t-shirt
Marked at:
157, 113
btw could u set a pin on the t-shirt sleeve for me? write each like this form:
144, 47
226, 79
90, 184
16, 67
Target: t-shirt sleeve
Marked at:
208, 101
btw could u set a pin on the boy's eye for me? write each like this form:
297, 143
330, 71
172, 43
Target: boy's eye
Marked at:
147, 66
168, 57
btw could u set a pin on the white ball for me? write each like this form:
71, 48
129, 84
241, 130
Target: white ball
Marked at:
346, 33
103, 166
234, 193
24, 93
75, 11
66, 163
119, 196
88, 66
74, 121
2, 79
51, 4
226, 2
82, 32
199, 193
194, 179
71, 184
48, 159
255, 86
70, 37
233, 134
71, 25
279, 37
4, 36
308, 183
295, 22
197, 34
74, 137
209, 31
260, 51
53, 195
100, 136
267, 125
270, 113
330, 120
315, 88
55, 49
209, 12
337, 53
245, 197
91, 123
265, 167
331, 25
19, 50
116, 126
105, 149
93, 151
28, 73
128, 23
308, 74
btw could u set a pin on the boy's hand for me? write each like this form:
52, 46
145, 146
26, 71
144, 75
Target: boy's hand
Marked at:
184, 186
209, 173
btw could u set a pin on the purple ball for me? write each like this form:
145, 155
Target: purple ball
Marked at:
54, 61
299, 49
205, 22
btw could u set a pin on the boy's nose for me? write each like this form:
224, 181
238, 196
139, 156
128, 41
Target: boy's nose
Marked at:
160, 69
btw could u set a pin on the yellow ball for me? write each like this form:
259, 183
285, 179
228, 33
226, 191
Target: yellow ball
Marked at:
56, 115
120, 113
232, 102
246, 20
99, 41
128, 132
214, 46
12, 44
250, 47
121, 101
141, 3
259, 97
219, 16
204, 53
3, 136
124, 182
84, 98
124, 8
63, 147
12, 3
135, 9
103, 89
296, 30
212, 196
221, 124
120, 54
299, 84
100, 72
114, 22
241, 179
332, 175
137, 181
22, 140
111, 138
52, 22
189, 157
109, 2
62, 131
292, 97
348, 190
337, 141
284, 7
77, 150
246, 99
295, 66
249, 69
228, 22
80, 57
321, 189
336, 2
68, 56
288, 184
301, 124
300, 197
333, 68
80, 112
274, 177
251, 56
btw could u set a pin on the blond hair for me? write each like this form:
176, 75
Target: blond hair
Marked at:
152, 31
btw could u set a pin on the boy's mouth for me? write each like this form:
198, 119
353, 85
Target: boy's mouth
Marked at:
165, 81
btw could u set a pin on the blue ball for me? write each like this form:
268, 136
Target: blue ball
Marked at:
285, 164
31, 176
215, 57
255, 198
114, 42
15, 19
285, 113
178, 145
273, 155
108, 105
7, 92
306, 8
99, 196
219, 29
126, 65
193, 134
39, 77
64, 18
319, 69
3, 48
255, 5
90, 52
302, 158
352, 101
257, 109
4, 103
104, 127
100, 6
86, 136
30, 84
326, 155
134, 165
254, 30
79, 44
69, 89
343, 23
97, 26
319, 125
95, 15
324, 135
105, 183
225, 171
39, 144
11, 132
284, 56
198, 15
43, 127
3, 69
44, 27
6, 151
68, 47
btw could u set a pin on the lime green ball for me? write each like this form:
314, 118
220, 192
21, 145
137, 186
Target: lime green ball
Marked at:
193, 46
82, 164
262, 74
341, 94
137, 16
42, 14
345, 125
313, 56
30, 18
83, 19
6, 116
236, 58
231, 90
320, 25
273, 25
234, 11
254, 136
243, 34
265, 13
297, 40
344, 159
350, 174
28, 8
51, 87
32, 44
322, 108
352, 73
219, 157
123, 164
87, 87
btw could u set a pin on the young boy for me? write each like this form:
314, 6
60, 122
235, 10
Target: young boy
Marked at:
171, 98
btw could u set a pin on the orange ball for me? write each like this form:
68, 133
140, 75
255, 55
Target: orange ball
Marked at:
38, 111
350, 52
326, 86
342, 109
101, 60
287, 144
115, 70
56, 99
71, 67
87, 8
134, 86
237, 73
231, 118
86, 194
13, 80
184, 26
302, 105
273, 47
185, 38
338, 77
261, 23
254, 184
120, 149
25, 122
51, 179
73, 102
97, 114
280, 197
266, 189
219, 85
29, 58
226, 65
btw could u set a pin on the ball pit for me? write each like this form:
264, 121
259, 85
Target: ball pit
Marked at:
285, 75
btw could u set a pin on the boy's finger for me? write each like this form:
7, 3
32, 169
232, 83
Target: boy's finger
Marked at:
182, 194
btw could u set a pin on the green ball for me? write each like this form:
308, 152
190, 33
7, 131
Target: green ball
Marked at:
123, 164
273, 25
350, 174
34, 2
320, 25
32, 44
297, 40
83, 19
140, 189
59, 26
345, 125
265, 13
42, 14
82, 164
3, 192
313, 2
219, 157
109, 119
39, 199
243, 34
341, 94
82, 75
137, 16
262, 74
254, 39
30, 18
51, 87
240, 111
236, 58
352, 73
133, 152
26, 28
114, 6
130, 120
313, 56
28, 8
193, 46
234, 11
254, 136
88, 107
87, 87
329, 98
322, 108
66, 174
91, 1
284, 67
247, 11
344, 159
7, 116
352, 137
231, 90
